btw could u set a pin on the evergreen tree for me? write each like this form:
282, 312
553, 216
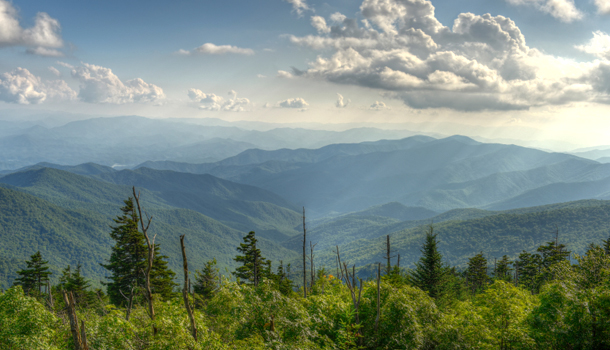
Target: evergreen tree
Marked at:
606, 246
161, 277
476, 273
429, 271
284, 284
128, 260
503, 270
206, 281
76, 283
35, 275
528, 269
254, 265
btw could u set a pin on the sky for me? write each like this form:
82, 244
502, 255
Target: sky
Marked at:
502, 69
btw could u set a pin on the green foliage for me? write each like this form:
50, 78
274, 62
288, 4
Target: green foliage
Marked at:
253, 265
128, 261
429, 271
26, 324
206, 281
35, 275
476, 273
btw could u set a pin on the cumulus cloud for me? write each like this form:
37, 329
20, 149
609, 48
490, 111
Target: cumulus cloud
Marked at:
211, 49
22, 87
100, 85
599, 45
378, 106
603, 6
42, 39
563, 10
482, 62
298, 6
293, 103
342, 102
213, 102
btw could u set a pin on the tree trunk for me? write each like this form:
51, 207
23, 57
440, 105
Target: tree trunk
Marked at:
77, 336
304, 257
185, 295
151, 255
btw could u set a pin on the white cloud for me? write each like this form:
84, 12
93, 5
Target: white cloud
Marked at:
22, 87
378, 106
284, 74
599, 45
261, 76
481, 63
293, 103
55, 71
211, 49
41, 38
298, 6
603, 6
319, 23
100, 85
213, 102
563, 10
342, 102
43, 51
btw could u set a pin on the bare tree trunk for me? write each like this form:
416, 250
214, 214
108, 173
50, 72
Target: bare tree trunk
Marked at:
351, 285
76, 335
185, 295
378, 296
151, 255
304, 257
311, 265
51, 304
255, 277
339, 262
387, 255
129, 301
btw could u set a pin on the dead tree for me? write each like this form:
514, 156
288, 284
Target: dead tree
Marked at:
304, 257
129, 301
340, 276
151, 255
79, 337
351, 285
378, 296
311, 264
388, 256
185, 290
50, 301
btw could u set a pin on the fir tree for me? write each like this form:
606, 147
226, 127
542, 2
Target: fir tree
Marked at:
429, 271
254, 265
128, 260
528, 269
476, 273
35, 275
76, 283
206, 281
503, 270
283, 283
606, 246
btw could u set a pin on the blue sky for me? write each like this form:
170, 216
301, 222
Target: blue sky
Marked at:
529, 65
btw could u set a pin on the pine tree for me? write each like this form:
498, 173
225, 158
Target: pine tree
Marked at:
128, 261
283, 283
528, 269
606, 246
503, 270
254, 265
35, 275
206, 281
476, 273
429, 271
76, 283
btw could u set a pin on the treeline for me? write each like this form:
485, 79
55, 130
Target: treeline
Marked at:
538, 301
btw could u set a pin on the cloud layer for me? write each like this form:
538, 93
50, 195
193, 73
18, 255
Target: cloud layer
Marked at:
293, 103
99, 85
211, 49
563, 10
22, 87
213, 102
44, 38
481, 63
